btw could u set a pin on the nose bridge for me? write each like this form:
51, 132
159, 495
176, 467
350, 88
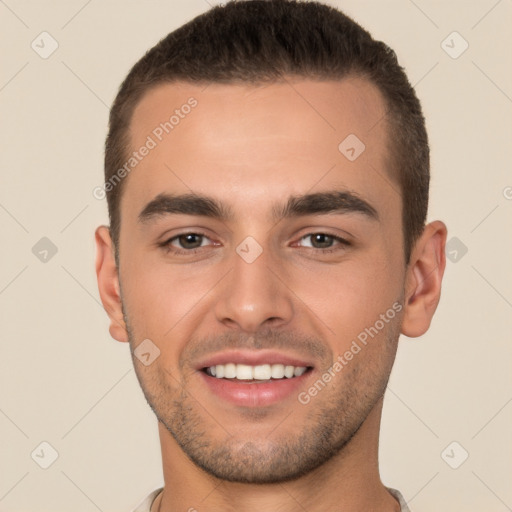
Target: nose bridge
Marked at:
253, 294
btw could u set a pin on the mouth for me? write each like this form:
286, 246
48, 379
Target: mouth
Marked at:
255, 373
254, 379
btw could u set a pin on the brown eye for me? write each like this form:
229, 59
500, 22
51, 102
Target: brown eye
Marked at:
321, 240
322, 244
189, 240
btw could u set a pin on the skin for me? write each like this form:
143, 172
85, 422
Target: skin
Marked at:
251, 148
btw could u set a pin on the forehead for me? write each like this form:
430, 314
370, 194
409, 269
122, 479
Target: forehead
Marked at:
253, 143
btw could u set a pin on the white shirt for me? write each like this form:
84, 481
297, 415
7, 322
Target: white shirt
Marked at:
145, 505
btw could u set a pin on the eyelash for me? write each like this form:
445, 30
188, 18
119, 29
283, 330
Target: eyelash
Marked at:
171, 249
343, 243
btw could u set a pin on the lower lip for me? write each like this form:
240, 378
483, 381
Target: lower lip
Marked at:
254, 394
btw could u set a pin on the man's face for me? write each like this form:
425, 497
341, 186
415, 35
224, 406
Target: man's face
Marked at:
300, 291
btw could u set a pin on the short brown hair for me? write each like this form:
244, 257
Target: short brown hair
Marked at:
258, 41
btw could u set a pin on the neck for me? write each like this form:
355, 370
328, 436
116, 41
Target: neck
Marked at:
348, 481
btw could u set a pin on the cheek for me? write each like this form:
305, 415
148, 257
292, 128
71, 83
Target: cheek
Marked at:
351, 297
161, 299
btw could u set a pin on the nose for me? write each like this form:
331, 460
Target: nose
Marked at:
254, 295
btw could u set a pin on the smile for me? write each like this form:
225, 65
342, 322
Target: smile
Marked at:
260, 372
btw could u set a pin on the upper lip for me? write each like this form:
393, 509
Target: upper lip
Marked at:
252, 358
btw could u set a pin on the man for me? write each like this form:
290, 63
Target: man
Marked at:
267, 172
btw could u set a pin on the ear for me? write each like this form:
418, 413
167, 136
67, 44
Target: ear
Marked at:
423, 281
108, 283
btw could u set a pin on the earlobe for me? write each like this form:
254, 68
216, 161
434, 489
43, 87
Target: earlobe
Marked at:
108, 283
423, 281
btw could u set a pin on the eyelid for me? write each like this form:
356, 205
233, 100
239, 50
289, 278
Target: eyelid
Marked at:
167, 243
167, 237
341, 240
175, 237
327, 233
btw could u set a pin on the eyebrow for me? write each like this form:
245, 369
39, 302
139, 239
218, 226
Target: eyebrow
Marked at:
309, 204
324, 203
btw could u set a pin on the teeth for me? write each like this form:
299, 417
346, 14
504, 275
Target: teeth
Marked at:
258, 372
277, 371
299, 370
229, 370
243, 372
288, 371
262, 372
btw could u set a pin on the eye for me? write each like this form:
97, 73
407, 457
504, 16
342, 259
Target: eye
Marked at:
323, 241
189, 240
186, 243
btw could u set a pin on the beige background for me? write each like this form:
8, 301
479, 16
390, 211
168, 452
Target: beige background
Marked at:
66, 382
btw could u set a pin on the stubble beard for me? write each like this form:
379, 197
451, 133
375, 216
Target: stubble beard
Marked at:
331, 420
